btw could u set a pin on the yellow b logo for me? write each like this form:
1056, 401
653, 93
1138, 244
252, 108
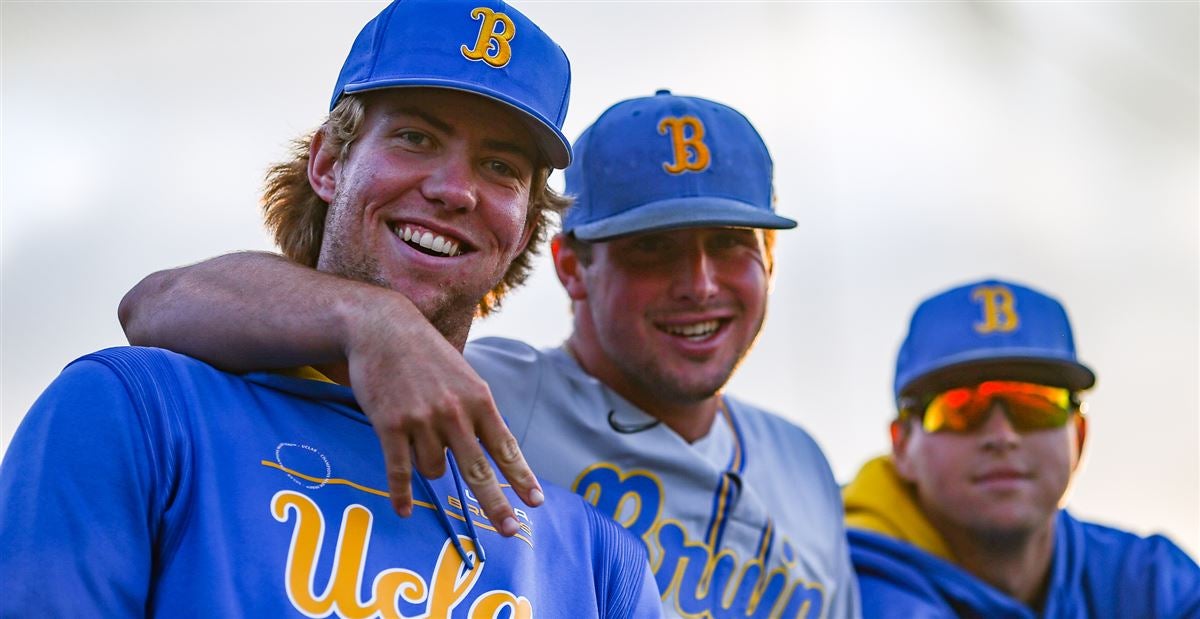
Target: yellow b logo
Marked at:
492, 44
687, 144
999, 313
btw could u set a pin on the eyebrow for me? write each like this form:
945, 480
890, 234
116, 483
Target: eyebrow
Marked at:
504, 146
437, 123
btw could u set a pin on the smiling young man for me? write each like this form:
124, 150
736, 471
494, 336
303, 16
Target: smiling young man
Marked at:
667, 259
664, 317
964, 519
146, 483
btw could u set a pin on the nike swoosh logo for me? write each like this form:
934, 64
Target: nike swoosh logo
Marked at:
629, 428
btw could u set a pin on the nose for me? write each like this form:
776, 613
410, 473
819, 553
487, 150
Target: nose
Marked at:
452, 184
695, 276
997, 432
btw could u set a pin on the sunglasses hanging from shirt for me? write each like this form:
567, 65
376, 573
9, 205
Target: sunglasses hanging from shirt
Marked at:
1029, 406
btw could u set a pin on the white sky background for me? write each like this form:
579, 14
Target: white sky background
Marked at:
919, 145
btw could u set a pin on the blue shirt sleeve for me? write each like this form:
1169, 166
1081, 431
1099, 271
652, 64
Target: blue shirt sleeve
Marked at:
79, 502
1127, 575
622, 569
1177, 580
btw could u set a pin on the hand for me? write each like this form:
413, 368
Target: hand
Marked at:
422, 398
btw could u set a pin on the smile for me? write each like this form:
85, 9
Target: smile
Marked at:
695, 331
428, 243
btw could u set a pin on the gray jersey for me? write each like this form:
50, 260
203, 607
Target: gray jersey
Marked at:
745, 522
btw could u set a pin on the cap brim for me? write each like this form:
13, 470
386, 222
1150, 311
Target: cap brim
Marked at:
693, 212
972, 369
550, 140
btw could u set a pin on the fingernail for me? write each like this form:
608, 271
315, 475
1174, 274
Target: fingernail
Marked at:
536, 496
509, 527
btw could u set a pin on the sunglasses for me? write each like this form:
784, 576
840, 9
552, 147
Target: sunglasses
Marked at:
1029, 406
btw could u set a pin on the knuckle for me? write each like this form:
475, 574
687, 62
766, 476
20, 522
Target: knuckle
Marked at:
451, 425
443, 401
434, 464
507, 451
448, 408
478, 471
479, 394
391, 424
400, 470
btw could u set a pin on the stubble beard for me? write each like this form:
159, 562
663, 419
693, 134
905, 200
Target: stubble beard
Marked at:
1000, 542
681, 391
997, 539
449, 311
674, 386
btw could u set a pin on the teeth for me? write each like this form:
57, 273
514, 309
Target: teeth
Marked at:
696, 331
429, 240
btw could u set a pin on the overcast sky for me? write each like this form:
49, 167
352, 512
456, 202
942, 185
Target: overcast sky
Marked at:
920, 146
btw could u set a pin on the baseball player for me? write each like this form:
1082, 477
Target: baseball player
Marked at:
963, 519
666, 256
146, 483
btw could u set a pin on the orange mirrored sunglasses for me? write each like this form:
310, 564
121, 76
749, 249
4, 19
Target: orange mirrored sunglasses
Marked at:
1029, 406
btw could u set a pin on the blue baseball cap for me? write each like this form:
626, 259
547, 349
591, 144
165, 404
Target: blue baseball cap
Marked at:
989, 330
483, 47
665, 162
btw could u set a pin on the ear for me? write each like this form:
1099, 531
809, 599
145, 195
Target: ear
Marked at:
569, 268
901, 433
323, 167
1080, 435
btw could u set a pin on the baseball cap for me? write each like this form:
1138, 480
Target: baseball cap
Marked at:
483, 47
989, 330
669, 161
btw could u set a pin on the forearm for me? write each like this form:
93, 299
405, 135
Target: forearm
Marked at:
254, 310
257, 311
